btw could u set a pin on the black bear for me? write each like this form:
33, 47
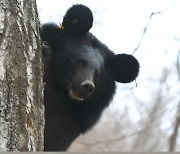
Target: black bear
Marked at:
79, 75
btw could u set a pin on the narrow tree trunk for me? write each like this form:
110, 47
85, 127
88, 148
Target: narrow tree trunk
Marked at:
174, 136
21, 85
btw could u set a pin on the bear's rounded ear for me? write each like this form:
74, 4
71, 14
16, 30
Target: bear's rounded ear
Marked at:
77, 20
124, 68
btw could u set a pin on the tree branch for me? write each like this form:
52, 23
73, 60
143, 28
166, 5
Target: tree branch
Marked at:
147, 25
178, 65
116, 139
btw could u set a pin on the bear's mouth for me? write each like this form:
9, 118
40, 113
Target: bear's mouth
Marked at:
75, 95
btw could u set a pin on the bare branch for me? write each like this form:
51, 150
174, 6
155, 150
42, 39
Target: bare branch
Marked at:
178, 65
144, 32
147, 25
116, 139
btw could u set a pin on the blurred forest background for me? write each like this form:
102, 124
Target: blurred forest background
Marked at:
143, 116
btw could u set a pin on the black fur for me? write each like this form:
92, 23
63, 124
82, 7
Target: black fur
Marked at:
69, 60
78, 20
128, 68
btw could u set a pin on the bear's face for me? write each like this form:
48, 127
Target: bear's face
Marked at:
84, 68
82, 63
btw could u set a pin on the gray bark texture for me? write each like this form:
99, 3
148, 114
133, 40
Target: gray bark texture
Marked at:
21, 77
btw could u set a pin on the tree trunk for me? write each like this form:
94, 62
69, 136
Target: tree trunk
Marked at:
21, 84
174, 136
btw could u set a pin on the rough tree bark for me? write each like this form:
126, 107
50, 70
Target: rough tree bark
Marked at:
21, 85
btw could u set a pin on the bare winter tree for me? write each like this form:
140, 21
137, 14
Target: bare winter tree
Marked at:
174, 136
21, 85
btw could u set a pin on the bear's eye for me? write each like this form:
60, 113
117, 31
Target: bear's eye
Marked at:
76, 65
81, 62
97, 75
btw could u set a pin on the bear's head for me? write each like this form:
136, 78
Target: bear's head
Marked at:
83, 65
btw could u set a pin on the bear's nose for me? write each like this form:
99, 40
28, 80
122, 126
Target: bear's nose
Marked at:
88, 86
